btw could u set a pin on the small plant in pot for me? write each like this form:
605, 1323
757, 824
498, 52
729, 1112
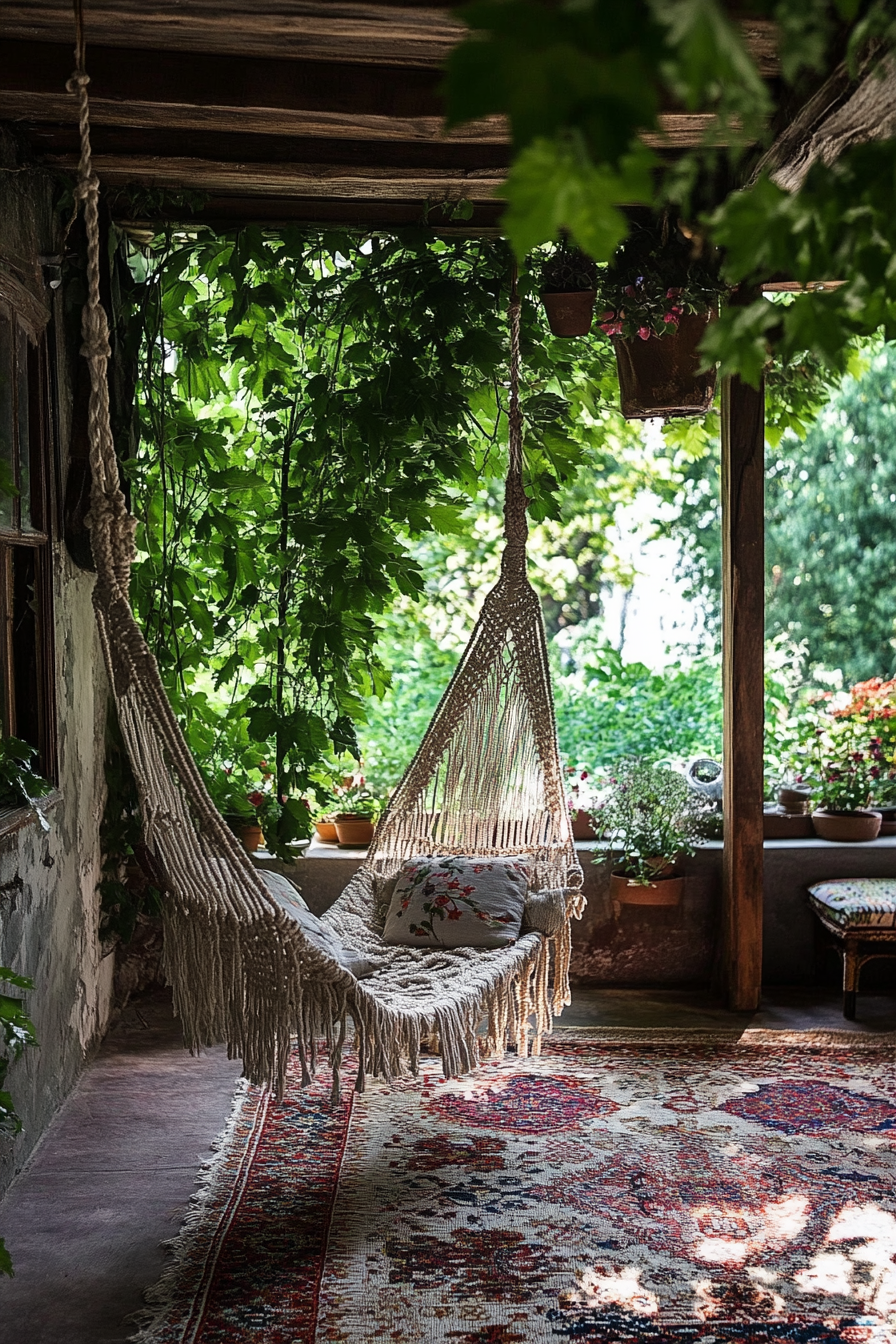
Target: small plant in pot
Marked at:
355, 815
241, 802
648, 823
567, 291
657, 297
580, 799
847, 770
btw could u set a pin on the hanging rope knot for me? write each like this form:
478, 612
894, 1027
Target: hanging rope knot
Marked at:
86, 186
96, 345
79, 80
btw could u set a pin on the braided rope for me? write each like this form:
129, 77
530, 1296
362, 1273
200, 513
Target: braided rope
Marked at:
516, 529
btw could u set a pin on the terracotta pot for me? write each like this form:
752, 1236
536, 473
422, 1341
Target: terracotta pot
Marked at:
326, 831
570, 314
658, 377
354, 831
862, 824
778, 825
252, 837
795, 802
581, 826
888, 820
665, 891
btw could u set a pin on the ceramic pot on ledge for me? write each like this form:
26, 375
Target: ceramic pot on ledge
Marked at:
852, 827
326, 831
352, 830
252, 837
665, 891
581, 825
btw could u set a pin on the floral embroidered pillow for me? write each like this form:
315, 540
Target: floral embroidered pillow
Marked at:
442, 901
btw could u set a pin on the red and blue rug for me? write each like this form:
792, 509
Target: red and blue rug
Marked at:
620, 1193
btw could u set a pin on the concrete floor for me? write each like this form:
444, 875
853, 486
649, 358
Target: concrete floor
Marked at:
113, 1175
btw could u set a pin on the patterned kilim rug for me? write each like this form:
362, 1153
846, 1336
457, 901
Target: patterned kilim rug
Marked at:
686, 1192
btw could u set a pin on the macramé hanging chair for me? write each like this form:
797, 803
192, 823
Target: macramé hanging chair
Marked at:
486, 780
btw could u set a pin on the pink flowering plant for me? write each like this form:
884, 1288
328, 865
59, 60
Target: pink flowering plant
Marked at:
847, 763
656, 277
581, 791
843, 747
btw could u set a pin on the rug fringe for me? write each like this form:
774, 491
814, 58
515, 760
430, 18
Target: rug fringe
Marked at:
161, 1297
743, 1036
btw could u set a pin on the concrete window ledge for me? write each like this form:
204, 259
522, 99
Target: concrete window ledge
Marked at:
13, 819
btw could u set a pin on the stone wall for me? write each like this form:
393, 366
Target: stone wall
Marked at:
49, 907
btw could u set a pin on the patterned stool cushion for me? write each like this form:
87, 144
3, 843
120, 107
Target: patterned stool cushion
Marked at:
854, 902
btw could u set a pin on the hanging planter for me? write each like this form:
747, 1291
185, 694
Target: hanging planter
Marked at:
657, 296
659, 376
568, 292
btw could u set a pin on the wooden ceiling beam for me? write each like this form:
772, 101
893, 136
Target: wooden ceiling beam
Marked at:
848, 109
311, 30
18, 105
307, 180
678, 130
127, 75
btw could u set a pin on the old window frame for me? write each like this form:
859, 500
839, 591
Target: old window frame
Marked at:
27, 645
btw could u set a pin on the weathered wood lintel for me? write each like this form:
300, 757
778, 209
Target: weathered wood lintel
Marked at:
678, 130
848, 109
311, 30
743, 634
332, 181
138, 114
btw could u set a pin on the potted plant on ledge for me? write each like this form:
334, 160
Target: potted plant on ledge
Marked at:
847, 772
657, 298
648, 822
355, 816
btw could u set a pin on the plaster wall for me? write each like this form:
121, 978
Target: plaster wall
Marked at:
49, 906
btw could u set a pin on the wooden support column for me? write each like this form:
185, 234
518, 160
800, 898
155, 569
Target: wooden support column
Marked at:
743, 637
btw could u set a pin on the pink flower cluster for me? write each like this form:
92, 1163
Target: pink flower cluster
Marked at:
612, 322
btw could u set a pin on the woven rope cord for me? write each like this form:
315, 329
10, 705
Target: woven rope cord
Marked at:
241, 969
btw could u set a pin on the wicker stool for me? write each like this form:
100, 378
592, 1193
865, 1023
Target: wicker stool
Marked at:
860, 915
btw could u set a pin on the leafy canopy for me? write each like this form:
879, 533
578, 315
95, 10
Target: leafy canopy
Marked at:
583, 83
310, 403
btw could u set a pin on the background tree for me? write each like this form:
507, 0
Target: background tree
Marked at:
831, 532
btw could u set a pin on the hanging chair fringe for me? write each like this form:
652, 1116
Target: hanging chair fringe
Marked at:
485, 780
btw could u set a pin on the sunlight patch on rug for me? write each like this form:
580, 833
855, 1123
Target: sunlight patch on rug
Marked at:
613, 1193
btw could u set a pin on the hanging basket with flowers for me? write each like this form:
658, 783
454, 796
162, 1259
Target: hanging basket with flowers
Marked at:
657, 297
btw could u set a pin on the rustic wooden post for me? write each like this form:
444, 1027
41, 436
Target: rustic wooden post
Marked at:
743, 636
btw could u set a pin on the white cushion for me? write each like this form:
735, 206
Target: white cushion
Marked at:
446, 901
316, 932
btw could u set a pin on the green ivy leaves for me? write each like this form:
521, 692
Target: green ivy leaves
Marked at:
555, 186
